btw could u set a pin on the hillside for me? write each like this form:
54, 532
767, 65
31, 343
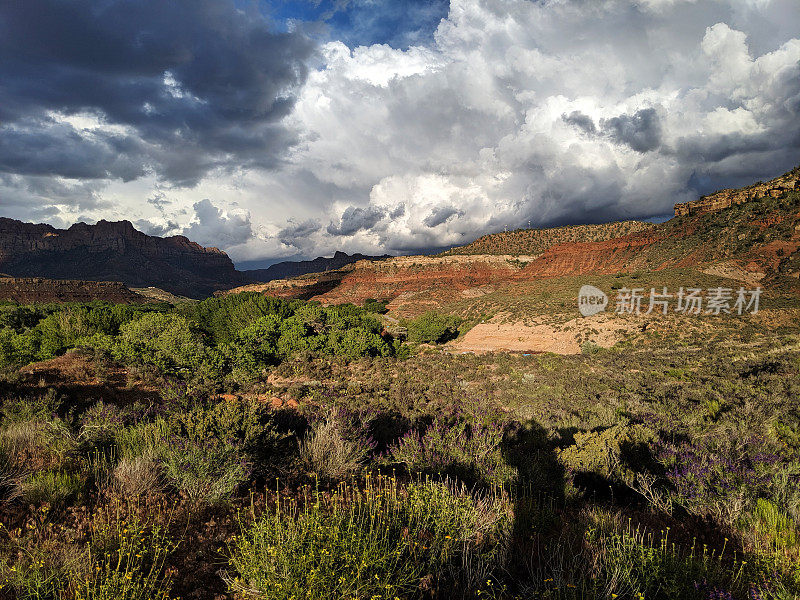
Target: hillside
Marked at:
535, 241
114, 251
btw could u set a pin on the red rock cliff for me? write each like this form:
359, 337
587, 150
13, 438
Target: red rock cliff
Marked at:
114, 251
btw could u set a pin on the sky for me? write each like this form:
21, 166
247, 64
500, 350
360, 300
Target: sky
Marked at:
291, 129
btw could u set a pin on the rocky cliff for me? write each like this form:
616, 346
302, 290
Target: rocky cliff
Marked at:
35, 289
774, 188
114, 251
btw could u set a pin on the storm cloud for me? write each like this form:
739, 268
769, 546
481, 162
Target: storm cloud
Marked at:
441, 215
356, 219
120, 88
212, 226
641, 130
583, 122
297, 234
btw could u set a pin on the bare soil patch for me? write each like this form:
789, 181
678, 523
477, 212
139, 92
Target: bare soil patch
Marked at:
540, 336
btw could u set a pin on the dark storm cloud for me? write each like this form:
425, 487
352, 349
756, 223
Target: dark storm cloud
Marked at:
441, 214
779, 136
41, 198
716, 148
159, 200
398, 212
641, 130
356, 219
583, 122
46, 147
296, 234
197, 83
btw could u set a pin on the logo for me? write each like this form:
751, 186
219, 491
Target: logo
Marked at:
591, 300
687, 301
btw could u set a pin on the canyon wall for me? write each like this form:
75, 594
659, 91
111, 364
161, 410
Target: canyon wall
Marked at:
114, 251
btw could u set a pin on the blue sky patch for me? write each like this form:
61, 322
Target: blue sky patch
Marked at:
398, 23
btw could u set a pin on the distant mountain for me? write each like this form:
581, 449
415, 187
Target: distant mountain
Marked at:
115, 251
284, 270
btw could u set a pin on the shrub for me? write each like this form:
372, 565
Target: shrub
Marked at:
296, 336
433, 328
51, 487
38, 560
718, 476
205, 471
589, 347
376, 306
380, 542
330, 453
256, 346
223, 318
10, 475
166, 341
469, 450
17, 349
142, 439
208, 452
126, 559
618, 454
629, 562
357, 342
38, 444
776, 531
136, 477
100, 423
39, 408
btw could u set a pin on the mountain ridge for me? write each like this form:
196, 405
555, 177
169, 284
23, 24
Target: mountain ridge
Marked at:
289, 268
752, 233
114, 251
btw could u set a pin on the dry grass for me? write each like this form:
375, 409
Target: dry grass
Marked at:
328, 454
135, 477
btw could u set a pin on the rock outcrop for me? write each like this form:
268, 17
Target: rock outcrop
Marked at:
724, 198
114, 251
35, 289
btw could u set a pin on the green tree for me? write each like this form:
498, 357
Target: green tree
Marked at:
433, 328
167, 341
